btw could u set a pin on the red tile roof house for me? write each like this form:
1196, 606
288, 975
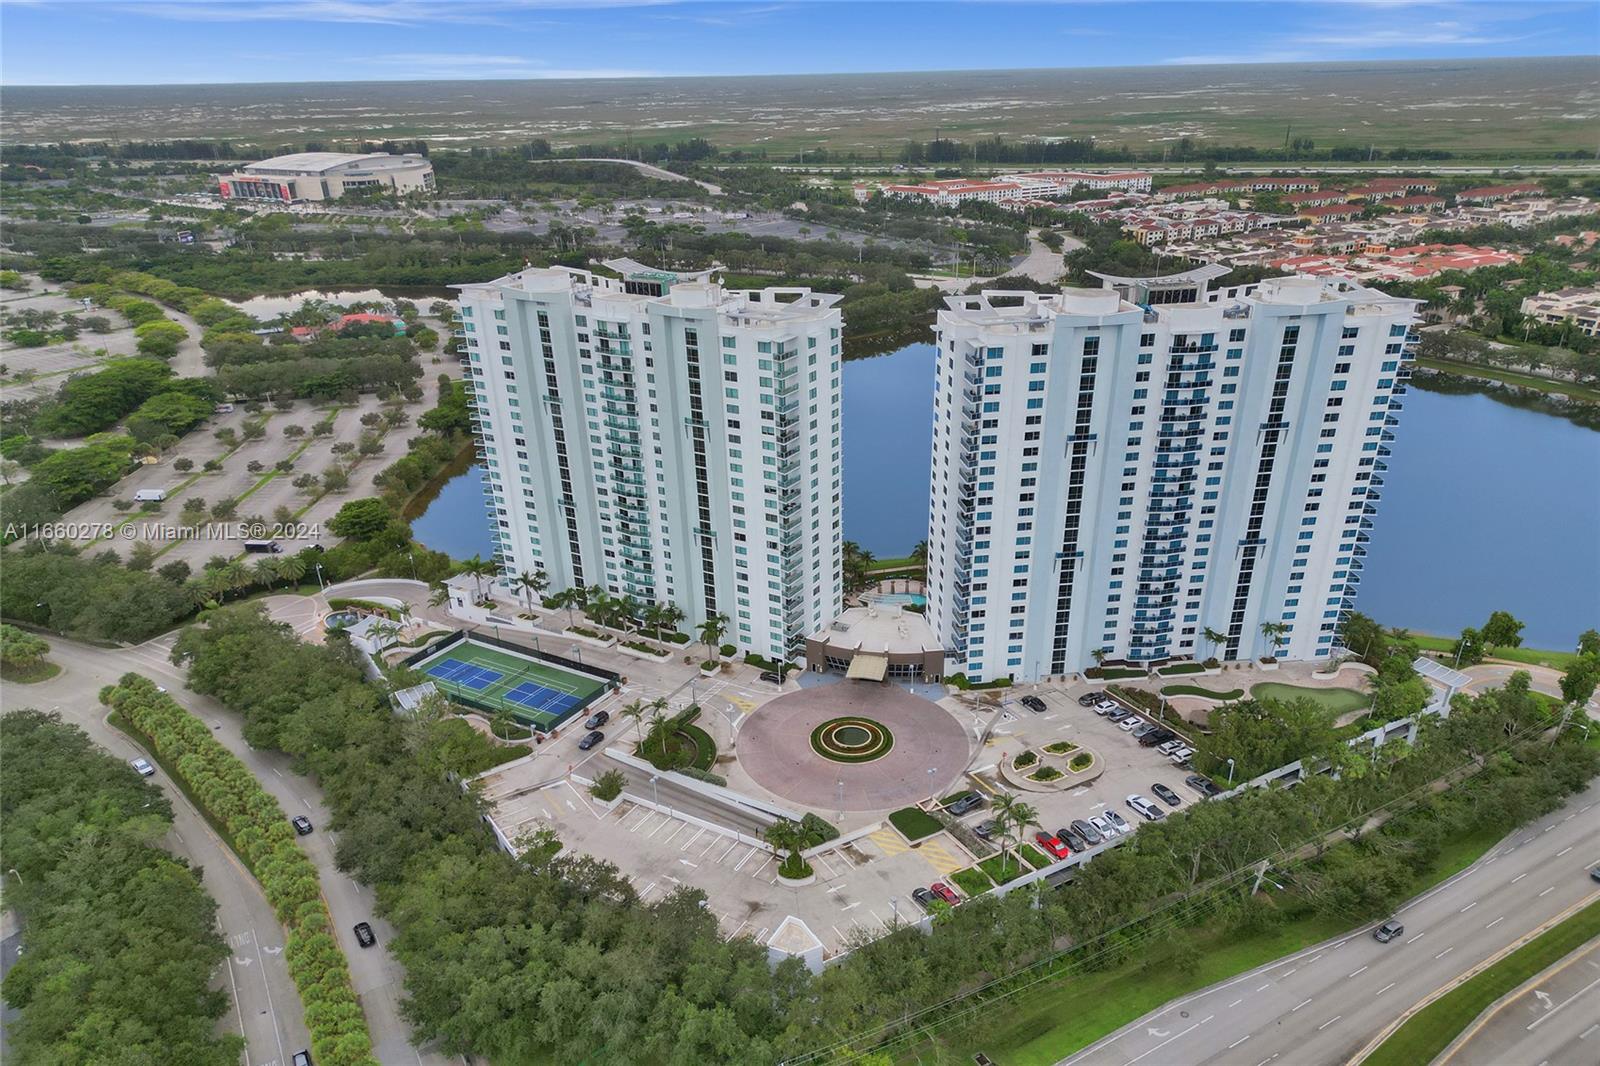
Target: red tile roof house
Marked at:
1330, 211
342, 321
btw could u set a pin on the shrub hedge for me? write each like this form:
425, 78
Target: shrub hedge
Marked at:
914, 823
260, 832
972, 881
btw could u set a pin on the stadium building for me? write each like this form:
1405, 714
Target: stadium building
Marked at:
312, 177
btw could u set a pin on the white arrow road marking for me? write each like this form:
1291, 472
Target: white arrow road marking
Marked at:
1157, 1032
1544, 997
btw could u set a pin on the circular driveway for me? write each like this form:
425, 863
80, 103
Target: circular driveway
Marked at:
930, 751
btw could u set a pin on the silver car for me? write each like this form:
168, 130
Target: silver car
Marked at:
1104, 827
1144, 808
1118, 822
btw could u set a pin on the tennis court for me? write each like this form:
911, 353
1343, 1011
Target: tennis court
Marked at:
536, 693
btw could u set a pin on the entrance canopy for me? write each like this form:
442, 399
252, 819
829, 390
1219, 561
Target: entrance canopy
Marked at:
865, 667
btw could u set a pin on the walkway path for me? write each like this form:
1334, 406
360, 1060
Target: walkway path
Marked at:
645, 168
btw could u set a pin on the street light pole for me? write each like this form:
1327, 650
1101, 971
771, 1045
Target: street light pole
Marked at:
1230, 772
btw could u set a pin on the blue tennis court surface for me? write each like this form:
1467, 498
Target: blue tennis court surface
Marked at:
538, 697
467, 675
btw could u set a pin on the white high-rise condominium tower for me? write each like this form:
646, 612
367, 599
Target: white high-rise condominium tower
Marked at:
1118, 470
664, 438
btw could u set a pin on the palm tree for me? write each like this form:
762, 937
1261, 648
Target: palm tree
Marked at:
672, 616
500, 725
531, 582
266, 572
237, 575
1215, 638
1274, 632
1099, 656
292, 568
600, 606
788, 835
635, 710
1020, 816
439, 596
711, 631
571, 598
479, 568
919, 554
653, 616
217, 583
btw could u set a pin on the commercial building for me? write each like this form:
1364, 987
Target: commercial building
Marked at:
311, 177
878, 641
665, 438
1117, 470
949, 192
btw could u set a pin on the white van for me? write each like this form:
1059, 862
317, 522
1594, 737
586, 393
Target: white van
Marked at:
149, 495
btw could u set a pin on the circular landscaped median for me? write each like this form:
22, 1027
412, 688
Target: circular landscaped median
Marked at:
851, 739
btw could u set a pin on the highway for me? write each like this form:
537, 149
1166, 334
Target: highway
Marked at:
1323, 1005
378, 977
1554, 1018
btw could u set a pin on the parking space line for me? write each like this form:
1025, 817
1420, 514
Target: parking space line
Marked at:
713, 842
730, 848
674, 834
642, 822
698, 833
744, 859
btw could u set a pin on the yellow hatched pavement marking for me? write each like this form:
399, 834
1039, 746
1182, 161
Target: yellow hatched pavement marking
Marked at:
940, 858
889, 842
744, 705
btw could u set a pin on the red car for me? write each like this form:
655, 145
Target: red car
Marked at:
945, 892
1053, 845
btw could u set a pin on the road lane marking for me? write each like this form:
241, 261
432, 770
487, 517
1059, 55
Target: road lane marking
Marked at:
1496, 922
1297, 1006
1384, 989
1265, 986
1356, 974
1554, 1010
1546, 892
1236, 1002
1468, 907
1292, 972
275, 770
1329, 1022
1164, 1043
1519, 877
1419, 936
1236, 1043
1563, 851
1445, 952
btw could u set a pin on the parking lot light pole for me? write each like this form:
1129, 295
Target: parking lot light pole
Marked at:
1230, 773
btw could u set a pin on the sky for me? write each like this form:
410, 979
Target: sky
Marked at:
142, 42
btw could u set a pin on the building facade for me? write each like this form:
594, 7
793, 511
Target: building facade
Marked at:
664, 438
1117, 470
311, 177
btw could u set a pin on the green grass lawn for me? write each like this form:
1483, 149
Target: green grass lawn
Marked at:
1513, 377
914, 823
1335, 700
1430, 1031
1196, 690
1557, 660
1057, 1018
972, 881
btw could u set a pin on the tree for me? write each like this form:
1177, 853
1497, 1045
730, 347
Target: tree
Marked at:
1468, 648
712, 631
335, 478
532, 583
919, 553
265, 572
570, 599
1578, 683
1214, 638
292, 568
477, 568
857, 561
1589, 642
20, 650
635, 710
362, 519
790, 836
1502, 631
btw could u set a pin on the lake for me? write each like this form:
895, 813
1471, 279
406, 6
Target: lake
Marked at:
1485, 506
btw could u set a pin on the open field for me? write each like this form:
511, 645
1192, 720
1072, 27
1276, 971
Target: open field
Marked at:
1508, 105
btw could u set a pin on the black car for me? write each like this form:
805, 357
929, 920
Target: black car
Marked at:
364, 935
1156, 736
969, 801
1089, 699
1388, 931
1087, 831
1594, 872
597, 719
923, 897
302, 824
1070, 836
772, 676
1034, 703
987, 829
1166, 795
1203, 785
594, 737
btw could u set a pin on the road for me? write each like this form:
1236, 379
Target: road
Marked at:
378, 977
1322, 1005
645, 168
1554, 1018
264, 1005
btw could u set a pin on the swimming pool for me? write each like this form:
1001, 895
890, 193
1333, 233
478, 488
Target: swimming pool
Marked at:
899, 599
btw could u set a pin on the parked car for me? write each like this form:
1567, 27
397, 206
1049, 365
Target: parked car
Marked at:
1143, 730
923, 898
594, 737
987, 829
1144, 808
1166, 795
1089, 699
1107, 706
143, 767
302, 1058
1053, 845
1130, 723
1088, 832
302, 824
1203, 785
597, 719
772, 676
1103, 826
1181, 756
1120, 715
1170, 746
967, 803
1157, 736
1388, 931
1034, 703
945, 892
364, 935
1118, 822
1073, 839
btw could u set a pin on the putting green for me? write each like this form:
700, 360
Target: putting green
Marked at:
1336, 700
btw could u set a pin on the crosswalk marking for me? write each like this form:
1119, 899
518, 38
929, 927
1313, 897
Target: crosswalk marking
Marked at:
889, 842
